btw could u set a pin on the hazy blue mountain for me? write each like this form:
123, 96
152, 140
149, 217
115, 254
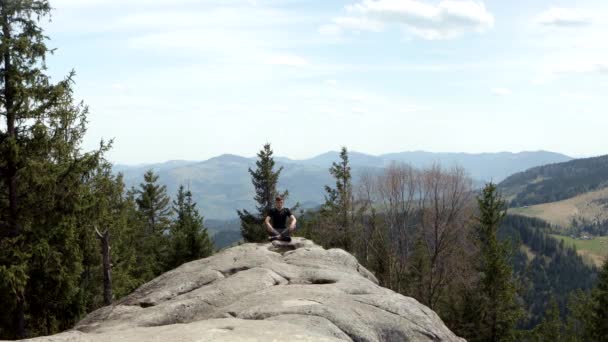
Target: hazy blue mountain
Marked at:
160, 166
222, 184
483, 166
355, 159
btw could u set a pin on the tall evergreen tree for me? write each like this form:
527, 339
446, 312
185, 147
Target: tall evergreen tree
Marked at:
264, 179
42, 168
338, 207
154, 206
100, 198
599, 316
499, 310
551, 327
189, 238
133, 269
111, 210
578, 327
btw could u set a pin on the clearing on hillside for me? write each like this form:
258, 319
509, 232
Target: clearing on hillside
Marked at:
590, 206
596, 249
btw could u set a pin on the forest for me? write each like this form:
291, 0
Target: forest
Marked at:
430, 235
555, 182
73, 237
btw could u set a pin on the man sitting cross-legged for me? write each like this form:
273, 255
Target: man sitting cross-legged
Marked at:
276, 222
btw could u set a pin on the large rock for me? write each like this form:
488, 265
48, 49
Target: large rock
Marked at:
258, 292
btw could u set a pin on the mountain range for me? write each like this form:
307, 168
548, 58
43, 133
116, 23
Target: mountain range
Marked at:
222, 184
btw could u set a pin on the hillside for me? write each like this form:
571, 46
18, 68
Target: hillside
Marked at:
255, 292
596, 250
545, 267
221, 185
585, 215
590, 206
572, 196
556, 182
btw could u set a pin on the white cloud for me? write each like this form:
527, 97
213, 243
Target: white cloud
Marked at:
78, 4
576, 96
188, 39
580, 66
359, 110
330, 30
119, 86
501, 91
566, 66
563, 17
326, 110
287, 60
447, 19
358, 24
219, 17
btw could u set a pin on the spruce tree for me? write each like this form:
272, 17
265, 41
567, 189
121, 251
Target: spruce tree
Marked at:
338, 207
579, 318
551, 327
499, 310
111, 211
189, 238
42, 168
100, 198
123, 234
599, 312
264, 179
154, 207
135, 271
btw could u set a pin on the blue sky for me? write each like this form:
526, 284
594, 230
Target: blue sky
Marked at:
186, 79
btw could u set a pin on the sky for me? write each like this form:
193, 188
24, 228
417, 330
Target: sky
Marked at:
193, 79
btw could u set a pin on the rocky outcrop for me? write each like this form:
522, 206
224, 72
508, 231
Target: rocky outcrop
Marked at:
260, 292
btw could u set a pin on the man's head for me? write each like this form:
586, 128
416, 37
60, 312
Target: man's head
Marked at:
278, 202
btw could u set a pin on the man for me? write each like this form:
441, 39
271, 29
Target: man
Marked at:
276, 222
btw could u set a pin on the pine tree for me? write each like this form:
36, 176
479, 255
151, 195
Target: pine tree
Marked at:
111, 210
338, 207
499, 310
551, 327
42, 168
153, 204
107, 195
599, 312
189, 238
132, 261
264, 179
578, 327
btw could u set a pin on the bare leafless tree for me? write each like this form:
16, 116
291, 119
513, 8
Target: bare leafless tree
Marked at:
104, 240
396, 190
445, 203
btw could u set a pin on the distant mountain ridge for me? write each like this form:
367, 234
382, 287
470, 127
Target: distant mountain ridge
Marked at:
481, 166
556, 181
222, 184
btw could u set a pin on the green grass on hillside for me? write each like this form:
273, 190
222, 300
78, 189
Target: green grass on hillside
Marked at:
526, 211
596, 249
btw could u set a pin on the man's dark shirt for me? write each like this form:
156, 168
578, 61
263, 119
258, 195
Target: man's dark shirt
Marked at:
279, 217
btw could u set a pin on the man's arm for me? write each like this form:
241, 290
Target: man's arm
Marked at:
292, 223
269, 227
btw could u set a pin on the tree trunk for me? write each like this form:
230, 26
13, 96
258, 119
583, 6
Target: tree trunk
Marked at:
20, 318
11, 168
104, 239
